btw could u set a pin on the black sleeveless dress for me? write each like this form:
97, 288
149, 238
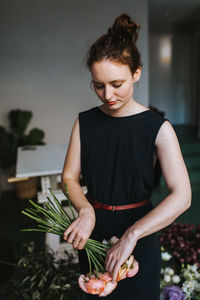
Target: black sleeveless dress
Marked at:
117, 168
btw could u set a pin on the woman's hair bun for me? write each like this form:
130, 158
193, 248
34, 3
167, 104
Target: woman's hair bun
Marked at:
119, 44
124, 28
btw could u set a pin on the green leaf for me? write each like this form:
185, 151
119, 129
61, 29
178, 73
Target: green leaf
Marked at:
35, 136
8, 148
25, 279
62, 297
19, 120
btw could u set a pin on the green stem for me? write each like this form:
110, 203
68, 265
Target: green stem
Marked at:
34, 218
58, 204
65, 217
96, 250
69, 202
42, 230
93, 261
49, 215
98, 243
7, 263
98, 265
46, 223
89, 260
58, 218
54, 219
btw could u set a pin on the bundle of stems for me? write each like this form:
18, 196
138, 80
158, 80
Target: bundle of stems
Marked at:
52, 218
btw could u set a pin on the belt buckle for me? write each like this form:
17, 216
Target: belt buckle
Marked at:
113, 207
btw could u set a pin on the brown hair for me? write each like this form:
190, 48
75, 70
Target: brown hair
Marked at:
119, 44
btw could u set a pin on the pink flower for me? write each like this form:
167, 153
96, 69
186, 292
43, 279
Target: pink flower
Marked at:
101, 283
133, 269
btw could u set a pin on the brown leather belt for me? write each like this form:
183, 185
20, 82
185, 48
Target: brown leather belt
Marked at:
99, 205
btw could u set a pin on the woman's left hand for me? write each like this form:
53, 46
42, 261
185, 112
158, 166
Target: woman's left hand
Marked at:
119, 253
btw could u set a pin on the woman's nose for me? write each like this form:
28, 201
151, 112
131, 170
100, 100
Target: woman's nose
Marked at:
108, 93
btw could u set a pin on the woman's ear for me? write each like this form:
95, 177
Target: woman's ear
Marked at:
137, 74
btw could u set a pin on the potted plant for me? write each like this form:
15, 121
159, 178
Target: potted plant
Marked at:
16, 137
38, 275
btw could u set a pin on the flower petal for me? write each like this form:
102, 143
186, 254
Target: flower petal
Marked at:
81, 282
108, 288
134, 269
95, 286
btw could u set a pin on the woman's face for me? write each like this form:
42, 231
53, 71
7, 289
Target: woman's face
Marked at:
113, 83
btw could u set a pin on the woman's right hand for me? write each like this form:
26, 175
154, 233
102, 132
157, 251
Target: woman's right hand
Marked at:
80, 230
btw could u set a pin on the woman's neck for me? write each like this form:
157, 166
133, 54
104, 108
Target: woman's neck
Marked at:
125, 110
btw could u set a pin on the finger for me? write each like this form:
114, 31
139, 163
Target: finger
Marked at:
115, 272
68, 232
76, 242
110, 264
66, 236
107, 261
108, 258
71, 227
71, 237
81, 244
114, 239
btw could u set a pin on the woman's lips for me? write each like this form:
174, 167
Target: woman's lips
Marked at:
111, 102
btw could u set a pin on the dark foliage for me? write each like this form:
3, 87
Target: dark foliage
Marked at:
16, 137
183, 242
38, 276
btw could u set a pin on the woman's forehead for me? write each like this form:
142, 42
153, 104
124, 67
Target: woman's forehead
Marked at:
107, 70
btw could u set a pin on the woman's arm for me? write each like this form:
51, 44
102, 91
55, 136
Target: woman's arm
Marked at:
80, 230
178, 200
177, 181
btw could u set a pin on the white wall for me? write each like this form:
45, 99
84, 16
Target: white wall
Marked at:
43, 44
171, 82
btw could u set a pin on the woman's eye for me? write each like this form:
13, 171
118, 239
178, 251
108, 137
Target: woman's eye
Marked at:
117, 86
98, 87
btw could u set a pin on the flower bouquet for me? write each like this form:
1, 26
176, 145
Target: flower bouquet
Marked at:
183, 242
101, 283
54, 219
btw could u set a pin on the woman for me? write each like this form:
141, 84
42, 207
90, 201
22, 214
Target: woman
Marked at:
120, 148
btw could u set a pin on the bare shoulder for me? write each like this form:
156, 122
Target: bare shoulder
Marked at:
171, 160
75, 129
75, 136
76, 123
72, 167
166, 136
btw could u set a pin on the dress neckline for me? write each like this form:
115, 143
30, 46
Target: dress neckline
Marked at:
123, 117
